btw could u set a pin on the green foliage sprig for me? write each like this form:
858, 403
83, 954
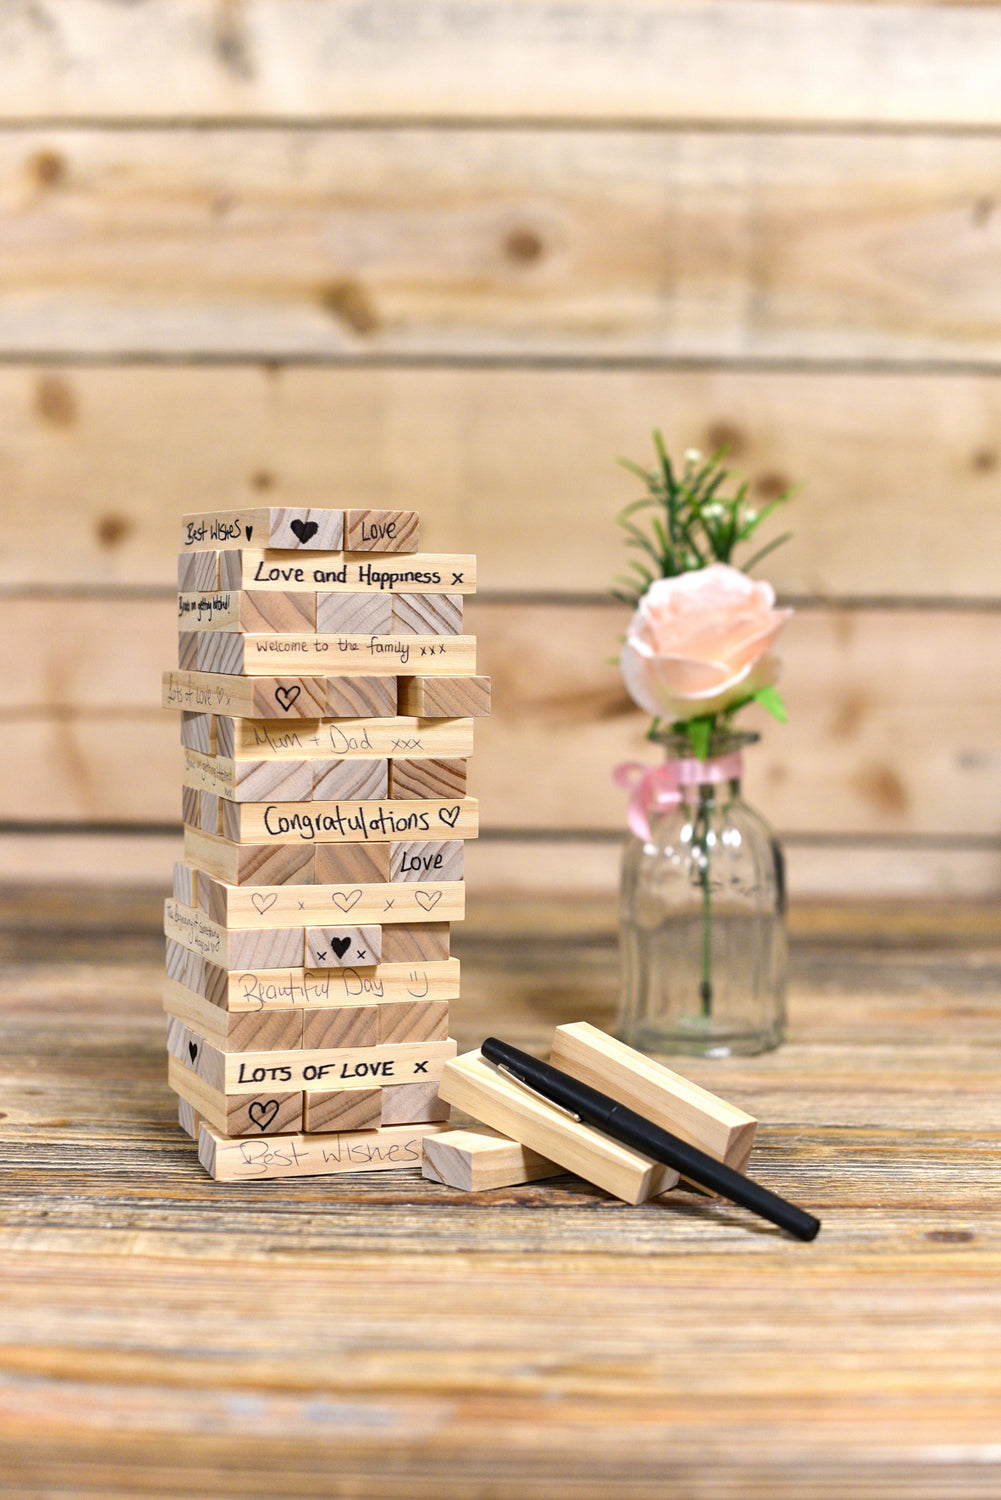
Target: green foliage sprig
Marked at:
693, 523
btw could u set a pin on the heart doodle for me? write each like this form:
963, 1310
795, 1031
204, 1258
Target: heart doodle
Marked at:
286, 696
264, 902
250, 532
346, 899
449, 815
340, 945
192, 1050
428, 899
261, 1113
304, 530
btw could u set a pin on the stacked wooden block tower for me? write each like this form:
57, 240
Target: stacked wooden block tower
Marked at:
327, 698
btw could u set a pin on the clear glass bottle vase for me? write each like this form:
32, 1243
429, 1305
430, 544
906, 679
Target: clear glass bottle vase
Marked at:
702, 914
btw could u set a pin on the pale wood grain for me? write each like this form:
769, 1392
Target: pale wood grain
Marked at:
810, 60
727, 245
515, 465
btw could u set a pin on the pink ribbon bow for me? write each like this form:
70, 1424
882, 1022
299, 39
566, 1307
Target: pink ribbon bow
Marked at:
657, 788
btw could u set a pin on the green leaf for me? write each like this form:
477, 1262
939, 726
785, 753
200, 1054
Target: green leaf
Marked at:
700, 733
772, 701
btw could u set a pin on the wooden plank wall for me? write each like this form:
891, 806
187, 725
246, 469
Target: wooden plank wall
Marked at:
458, 258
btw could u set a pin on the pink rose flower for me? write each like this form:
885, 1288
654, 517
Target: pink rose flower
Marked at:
700, 642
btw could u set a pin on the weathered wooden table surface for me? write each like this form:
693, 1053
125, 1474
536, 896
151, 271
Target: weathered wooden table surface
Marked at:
380, 1336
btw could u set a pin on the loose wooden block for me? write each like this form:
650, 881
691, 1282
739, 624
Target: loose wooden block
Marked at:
256, 906
287, 528
353, 864
255, 611
249, 780
249, 864
666, 1098
270, 1112
415, 942
249, 697
350, 573
427, 614
312, 989
234, 1031
412, 1020
337, 947
474, 1161
389, 1148
341, 739
349, 822
444, 697
410, 1102
358, 697
364, 780
228, 652
427, 777
276, 948
354, 614
381, 531
409, 859
473, 1084
188, 1118
343, 1110
197, 733
346, 1026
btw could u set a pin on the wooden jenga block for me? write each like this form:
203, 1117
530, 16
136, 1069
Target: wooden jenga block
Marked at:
316, 1155
412, 1021
234, 1031
233, 1073
343, 1110
251, 697
444, 697
197, 733
187, 650
344, 1026
208, 813
347, 822
188, 1118
335, 947
358, 697
258, 906
427, 777
412, 1102
256, 611
353, 573
191, 804
282, 528
249, 864
351, 864
198, 572
354, 614
409, 859
249, 780
427, 614
474, 1161
275, 948
230, 653
415, 942
473, 1084
363, 780
185, 884
340, 739
666, 1098
269, 1112
312, 989
381, 531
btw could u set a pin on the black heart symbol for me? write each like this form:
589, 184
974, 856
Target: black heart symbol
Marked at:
192, 1050
340, 945
304, 530
286, 696
250, 532
449, 815
260, 1114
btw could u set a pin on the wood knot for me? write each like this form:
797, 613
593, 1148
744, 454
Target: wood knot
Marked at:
523, 245
349, 302
111, 530
47, 168
55, 401
726, 437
